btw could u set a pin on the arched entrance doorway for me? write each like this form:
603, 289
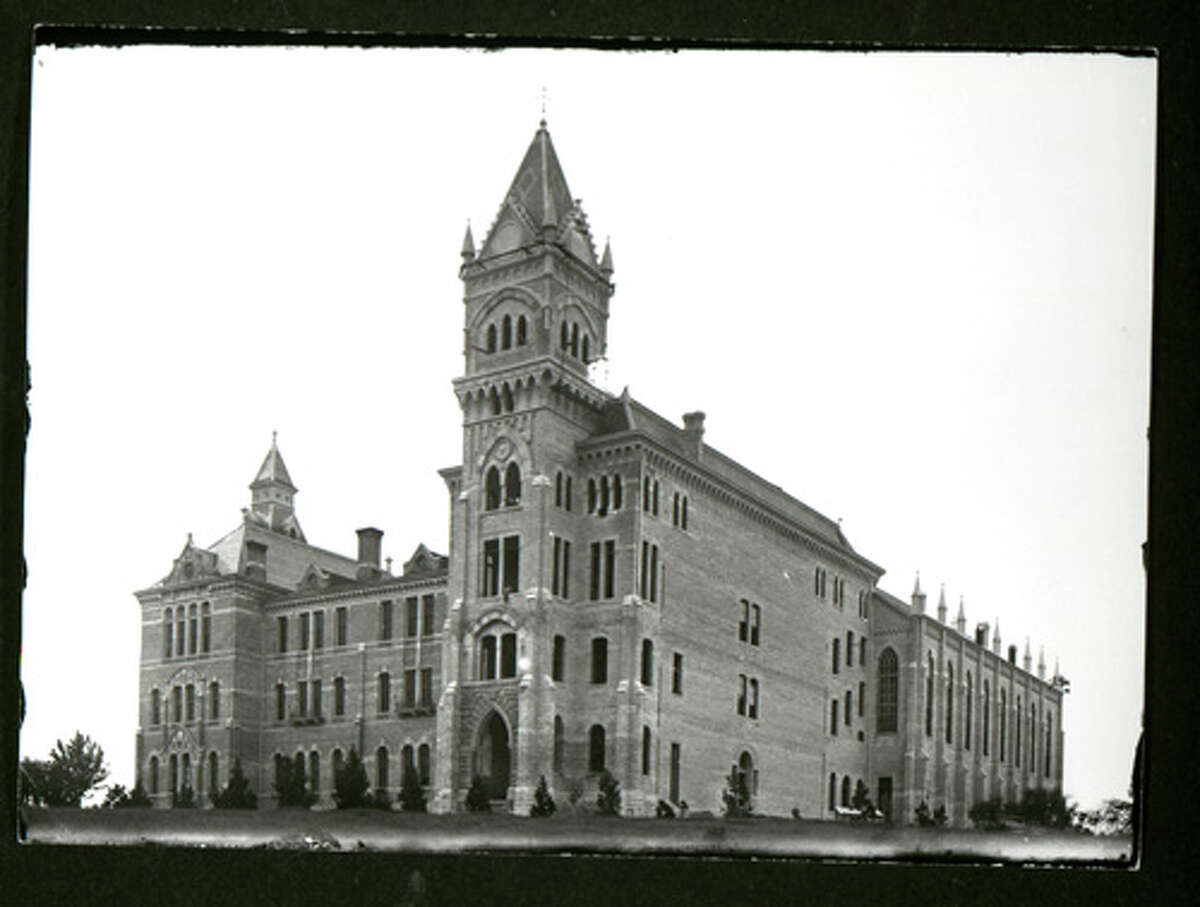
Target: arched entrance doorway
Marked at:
493, 758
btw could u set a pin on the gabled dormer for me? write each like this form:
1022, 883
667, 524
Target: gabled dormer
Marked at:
192, 564
536, 288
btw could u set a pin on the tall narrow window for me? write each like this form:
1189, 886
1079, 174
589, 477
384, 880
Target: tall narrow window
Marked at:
599, 660
888, 692
849, 648
304, 632
949, 703
280, 702
512, 563
647, 662
565, 337
675, 509
381, 768
427, 615
653, 572
567, 498
929, 696
423, 762
848, 711
383, 696
968, 712
180, 636
174, 772
191, 702
315, 685
507, 394
153, 774
192, 627
522, 330
341, 619
214, 700
602, 508
1003, 723
832, 791
575, 340
594, 588
205, 627
490, 578
610, 561
410, 688
741, 700
654, 499
318, 629
755, 623
490, 343
177, 703
1017, 734
987, 714
214, 780
846, 790
302, 697
753, 710
487, 658
618, 489
646, 494
385, 620
558, 658
837, 648
675, 760
506, 333
566, 569
155, 707
411, 616
645, 750
586, 359
744, 623
508, 655
596, 748
558, 743
677, 674
512, 485
314, 772
1049, 741
862, 697
339, 696
862, 651
833, 717
167, 640
554, 565
491, 489
558, 489
683, 521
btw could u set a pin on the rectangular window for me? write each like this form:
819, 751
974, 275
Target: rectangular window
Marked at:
167, 634
205, 628
214, 700
675, 772
741, 700
508, 655
594, 590
180, 640
677, 674
610, 565
653, 572
426, 687
490, 580
647, 663
744, 623
644, 586
862, 695
755, 624
566, 567
675, 509
848, 710
411, 617
410, 688
753, 697
316, 697
568, 504
427, 615
862, 651
599, 660
191, 702
683, 521
385, 620
339, 696
155, 707
302, 697
281, 624
558, 659
555, 565
654, 506
304, 638
318, 629
836, 654
833, 717
177, 704
512, 563
192, 630
341, 618
280, 702
383, 698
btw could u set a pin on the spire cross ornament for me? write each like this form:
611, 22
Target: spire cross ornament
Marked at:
543, 106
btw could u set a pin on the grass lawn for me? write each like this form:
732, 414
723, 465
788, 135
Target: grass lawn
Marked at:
563, 833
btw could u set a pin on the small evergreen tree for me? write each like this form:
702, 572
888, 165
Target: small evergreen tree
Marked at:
412, 797
237, 793
543, 803
736, 796
862, 801
290, 785
924, 818
664, 810
987, 813
478, 800
137, 797
939, 815
350, 785
608, 801
184, 798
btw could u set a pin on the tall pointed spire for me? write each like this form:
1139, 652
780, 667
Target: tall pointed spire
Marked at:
1027, 658
960, 622
468, 246
918, 597
1041, 665
272, 493
942, 604
606, 264
996, 638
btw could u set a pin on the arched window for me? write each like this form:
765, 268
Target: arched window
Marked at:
153, 770
596, 748
849, 648
585, 350
381, 768
508, 398
949, 703
512, 485
192, 625
1003, 722
558, 743
591, 496
506, 333
832, 790
647, 662
969, 712
167, 641
494, 397
746, 773
1049, 741
408, 763
314, 771
558, 489
299, 768
929, 696
423, 764
575, 340
846, 791
987, 714
1017, 734
180, 641
522, 330
567, 499
191, 701
617, 491
155, 707
205, 627
888, 696
491, 498
645, 749
214, 700
565, 341
491, 338
487, 658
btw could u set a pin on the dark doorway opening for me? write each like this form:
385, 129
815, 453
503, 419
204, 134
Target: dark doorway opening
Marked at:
885, 797
494, 758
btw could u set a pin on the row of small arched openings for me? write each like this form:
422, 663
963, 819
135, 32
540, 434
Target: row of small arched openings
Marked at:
506, 490
509, 334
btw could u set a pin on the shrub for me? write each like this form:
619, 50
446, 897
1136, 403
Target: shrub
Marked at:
795, 812
184, 798
380, 799
862, 802
412, 797
543, 803
290, 784
119, 798
237, 793
664, 810
924, 819
351, 789
736, 796
608, 801
1043, 806
939, 816
478, 800
987, 813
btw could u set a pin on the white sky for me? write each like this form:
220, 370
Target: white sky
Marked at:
914, 290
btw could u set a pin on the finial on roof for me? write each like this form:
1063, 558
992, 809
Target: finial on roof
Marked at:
917, 584
606, 259
189, 541
942, 603
542, 124
274, 437
468, 246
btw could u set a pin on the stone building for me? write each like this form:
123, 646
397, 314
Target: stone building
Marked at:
617, 595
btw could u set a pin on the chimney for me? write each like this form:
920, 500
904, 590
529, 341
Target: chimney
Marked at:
256, 561
981, 635
693, 432
1012, 655
370, 544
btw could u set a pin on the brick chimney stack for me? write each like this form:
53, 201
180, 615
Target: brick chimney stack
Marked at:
693, 431
370, 545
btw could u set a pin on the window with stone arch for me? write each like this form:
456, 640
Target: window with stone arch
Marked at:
512, 484
423, 762
949, 703
506, 328
381, 768
497, 646
490, 343
596, 748
507, 394
1003, 722
494, 399
887, 697
969, 710
575, 339
491, 489
929, 695
585, 357
987, 714
167, 635
522, 330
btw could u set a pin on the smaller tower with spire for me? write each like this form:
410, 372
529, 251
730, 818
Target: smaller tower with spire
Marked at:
960, 622
272, 494
942, 604
918, 597
1041, 665
996, 638
1027, 658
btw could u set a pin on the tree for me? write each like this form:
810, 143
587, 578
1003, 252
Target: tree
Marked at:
1114, 817
119, 798
73, 770
290, 784
608, 800
350, 784
861, 801
987, 813
543, 803
184, 798
237, 793
478, 800
736, 796
412, 796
